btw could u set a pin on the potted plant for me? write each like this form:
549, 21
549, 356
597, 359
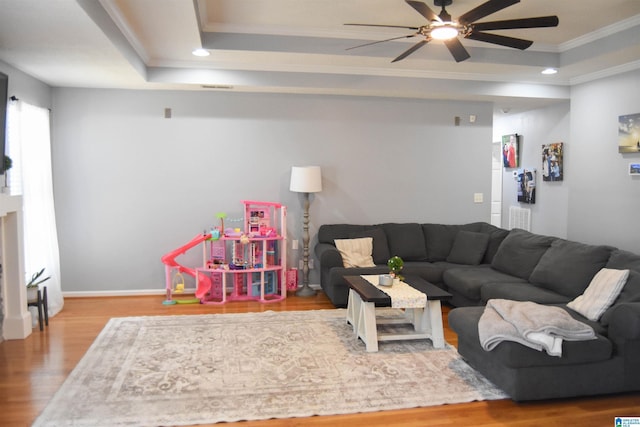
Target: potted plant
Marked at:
395, 265
32, 286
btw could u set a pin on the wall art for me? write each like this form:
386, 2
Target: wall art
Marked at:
526, 185
552, 162
634, 169
510, 151
629, 133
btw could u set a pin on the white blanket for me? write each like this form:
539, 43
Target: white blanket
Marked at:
534, 325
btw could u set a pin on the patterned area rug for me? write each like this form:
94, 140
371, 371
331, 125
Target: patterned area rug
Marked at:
184, 370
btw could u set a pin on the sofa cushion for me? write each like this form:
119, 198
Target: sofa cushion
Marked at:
406, 241
496, 236
356, 252
427, 270
468, 248
380, 252
621, 260
603, 290
439, 239
327, 233
520, 292
495, 240
468, 281
568, 267
464, 321
520, 252
630, 293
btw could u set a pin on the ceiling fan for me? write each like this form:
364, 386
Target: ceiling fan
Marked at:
442, 27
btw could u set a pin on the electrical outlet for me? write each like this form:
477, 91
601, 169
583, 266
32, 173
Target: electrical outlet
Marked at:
311, 263
294, 244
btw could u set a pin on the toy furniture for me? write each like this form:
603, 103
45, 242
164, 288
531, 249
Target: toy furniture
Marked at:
248, 264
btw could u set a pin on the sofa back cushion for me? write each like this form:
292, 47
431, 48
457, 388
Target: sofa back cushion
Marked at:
439, 240
621, 259
630, 293
380, 245
406, 241
568, 267
520, 252
328, 233
496, 236
356, 252
468, 248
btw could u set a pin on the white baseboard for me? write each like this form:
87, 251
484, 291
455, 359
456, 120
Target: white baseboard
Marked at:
135, 292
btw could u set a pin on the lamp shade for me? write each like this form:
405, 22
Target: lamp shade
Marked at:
306, 179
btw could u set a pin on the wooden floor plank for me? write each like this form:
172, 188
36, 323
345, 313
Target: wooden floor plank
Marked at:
31, 371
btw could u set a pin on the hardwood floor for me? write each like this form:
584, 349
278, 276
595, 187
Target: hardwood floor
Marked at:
31, 371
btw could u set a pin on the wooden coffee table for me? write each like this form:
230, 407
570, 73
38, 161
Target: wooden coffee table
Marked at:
365, 297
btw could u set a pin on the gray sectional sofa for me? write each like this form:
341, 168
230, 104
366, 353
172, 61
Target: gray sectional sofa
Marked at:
477, 262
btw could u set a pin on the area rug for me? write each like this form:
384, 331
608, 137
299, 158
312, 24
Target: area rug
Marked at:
185, 370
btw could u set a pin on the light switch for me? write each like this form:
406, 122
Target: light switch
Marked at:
478, 198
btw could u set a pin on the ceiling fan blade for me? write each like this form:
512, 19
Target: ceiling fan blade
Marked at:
423, 10
457, 50
411, 50
492, 6
501, 40
386, 26
509, 24
382, 41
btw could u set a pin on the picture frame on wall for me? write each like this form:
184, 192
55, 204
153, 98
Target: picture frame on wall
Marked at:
629, 133
634, 169
526, 185
510, 151
553, 161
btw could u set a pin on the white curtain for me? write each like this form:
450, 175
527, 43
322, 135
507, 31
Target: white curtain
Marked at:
29, 146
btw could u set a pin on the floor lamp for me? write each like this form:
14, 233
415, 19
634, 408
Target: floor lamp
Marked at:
305, 179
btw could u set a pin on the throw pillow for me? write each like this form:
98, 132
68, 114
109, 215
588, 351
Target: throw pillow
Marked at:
356, 252
468, 248
600, 294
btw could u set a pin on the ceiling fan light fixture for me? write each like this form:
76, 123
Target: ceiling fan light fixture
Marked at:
200, 52
446, 31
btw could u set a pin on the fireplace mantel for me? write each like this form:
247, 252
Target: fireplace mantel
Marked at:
16, 318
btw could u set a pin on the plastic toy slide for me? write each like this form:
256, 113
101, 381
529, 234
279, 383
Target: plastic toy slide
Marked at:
203, 282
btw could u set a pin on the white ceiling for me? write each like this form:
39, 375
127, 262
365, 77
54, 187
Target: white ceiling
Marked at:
299, 46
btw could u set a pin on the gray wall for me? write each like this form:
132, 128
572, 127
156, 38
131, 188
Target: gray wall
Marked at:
598, 202
539, 127
605, 206
131, 185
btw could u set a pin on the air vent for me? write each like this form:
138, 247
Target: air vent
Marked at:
519, 218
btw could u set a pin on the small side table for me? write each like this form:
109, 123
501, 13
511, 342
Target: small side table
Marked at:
41, 303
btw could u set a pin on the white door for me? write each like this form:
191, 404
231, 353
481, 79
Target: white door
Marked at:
496, 184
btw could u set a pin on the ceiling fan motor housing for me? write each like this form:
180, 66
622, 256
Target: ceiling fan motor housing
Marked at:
442, 3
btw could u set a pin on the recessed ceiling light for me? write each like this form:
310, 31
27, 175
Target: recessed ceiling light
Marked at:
549, 71
200, 52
